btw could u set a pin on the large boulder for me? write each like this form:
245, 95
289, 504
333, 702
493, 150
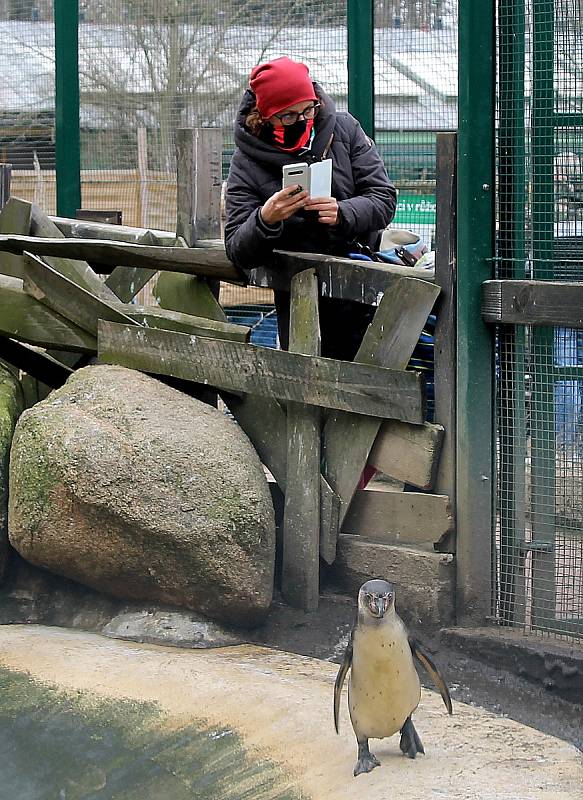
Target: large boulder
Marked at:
139, 491
11, 405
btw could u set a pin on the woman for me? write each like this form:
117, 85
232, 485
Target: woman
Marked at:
284, 118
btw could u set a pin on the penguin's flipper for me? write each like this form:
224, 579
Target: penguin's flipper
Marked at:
344, 667
427, 664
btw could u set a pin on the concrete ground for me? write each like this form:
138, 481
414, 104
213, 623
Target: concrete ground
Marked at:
82, 716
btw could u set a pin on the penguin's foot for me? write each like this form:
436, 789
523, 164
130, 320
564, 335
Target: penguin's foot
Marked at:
410, 743
366, 761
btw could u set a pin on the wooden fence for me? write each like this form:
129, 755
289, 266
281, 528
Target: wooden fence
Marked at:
315, 422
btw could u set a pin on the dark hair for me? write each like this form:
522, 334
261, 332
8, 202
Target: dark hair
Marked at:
255, 122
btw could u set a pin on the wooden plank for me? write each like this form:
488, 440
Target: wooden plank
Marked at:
36, 363
199, 171
524, 302
207, 262
83, 229
399, 517
154, 317
264, 421
388, 342
5, 176
341, 278
25, 319
300, 582
408, 453
77, 271
65, 297
126, 282
244, 368
14, 218
188, 294
445, 346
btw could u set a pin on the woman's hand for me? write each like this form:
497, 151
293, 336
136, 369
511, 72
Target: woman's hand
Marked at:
283, 205
327, 208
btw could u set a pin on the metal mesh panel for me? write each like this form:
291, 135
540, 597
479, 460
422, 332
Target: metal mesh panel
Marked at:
415, 96
540, 370
27, 99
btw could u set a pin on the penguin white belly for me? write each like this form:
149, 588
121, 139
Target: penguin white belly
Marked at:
384, 687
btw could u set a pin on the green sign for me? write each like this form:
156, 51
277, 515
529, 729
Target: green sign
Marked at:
415, 209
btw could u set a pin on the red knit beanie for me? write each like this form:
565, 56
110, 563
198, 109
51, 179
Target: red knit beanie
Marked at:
279, 84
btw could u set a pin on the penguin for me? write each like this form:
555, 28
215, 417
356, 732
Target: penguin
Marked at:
384, 688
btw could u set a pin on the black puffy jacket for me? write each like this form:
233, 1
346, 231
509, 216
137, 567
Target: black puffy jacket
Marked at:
366, 197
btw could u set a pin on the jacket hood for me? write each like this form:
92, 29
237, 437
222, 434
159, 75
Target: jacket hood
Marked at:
258, 150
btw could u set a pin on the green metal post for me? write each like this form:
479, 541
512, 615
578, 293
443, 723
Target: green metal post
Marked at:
360, 20
67, 138
475, 230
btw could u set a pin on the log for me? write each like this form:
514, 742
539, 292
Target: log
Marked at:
107, 255
244, 368
83, 229
399, 517
408, 453
25, 319
388, 342
300, 582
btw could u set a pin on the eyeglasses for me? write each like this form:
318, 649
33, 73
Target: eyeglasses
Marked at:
291, 117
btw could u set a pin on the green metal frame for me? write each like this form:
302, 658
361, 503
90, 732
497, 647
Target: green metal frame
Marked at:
475, 231
360, 22
67, 136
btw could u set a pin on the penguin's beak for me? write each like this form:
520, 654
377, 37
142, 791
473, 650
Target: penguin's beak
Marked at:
377, 607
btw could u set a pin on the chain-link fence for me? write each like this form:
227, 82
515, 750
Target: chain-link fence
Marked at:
540, 369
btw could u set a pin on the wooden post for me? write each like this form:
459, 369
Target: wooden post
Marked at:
445, 332
199, 153
301, 521
5, 175
142, 135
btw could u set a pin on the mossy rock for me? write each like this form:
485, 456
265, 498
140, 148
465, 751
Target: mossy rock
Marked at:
11, 406
139, 491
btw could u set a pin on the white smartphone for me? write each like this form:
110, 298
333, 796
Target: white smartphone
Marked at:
296, 175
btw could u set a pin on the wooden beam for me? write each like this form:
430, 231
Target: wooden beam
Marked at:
154, 317
533, 302
83, 229
126, 282
5, 177
199, 170
25, 319
340, 278
36, 363
107, 255
264, 422
77, 271
388, 342
445, 345
399, 517
244, 368
14, 218
408, 453
300, 581
188, 294
67, 298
